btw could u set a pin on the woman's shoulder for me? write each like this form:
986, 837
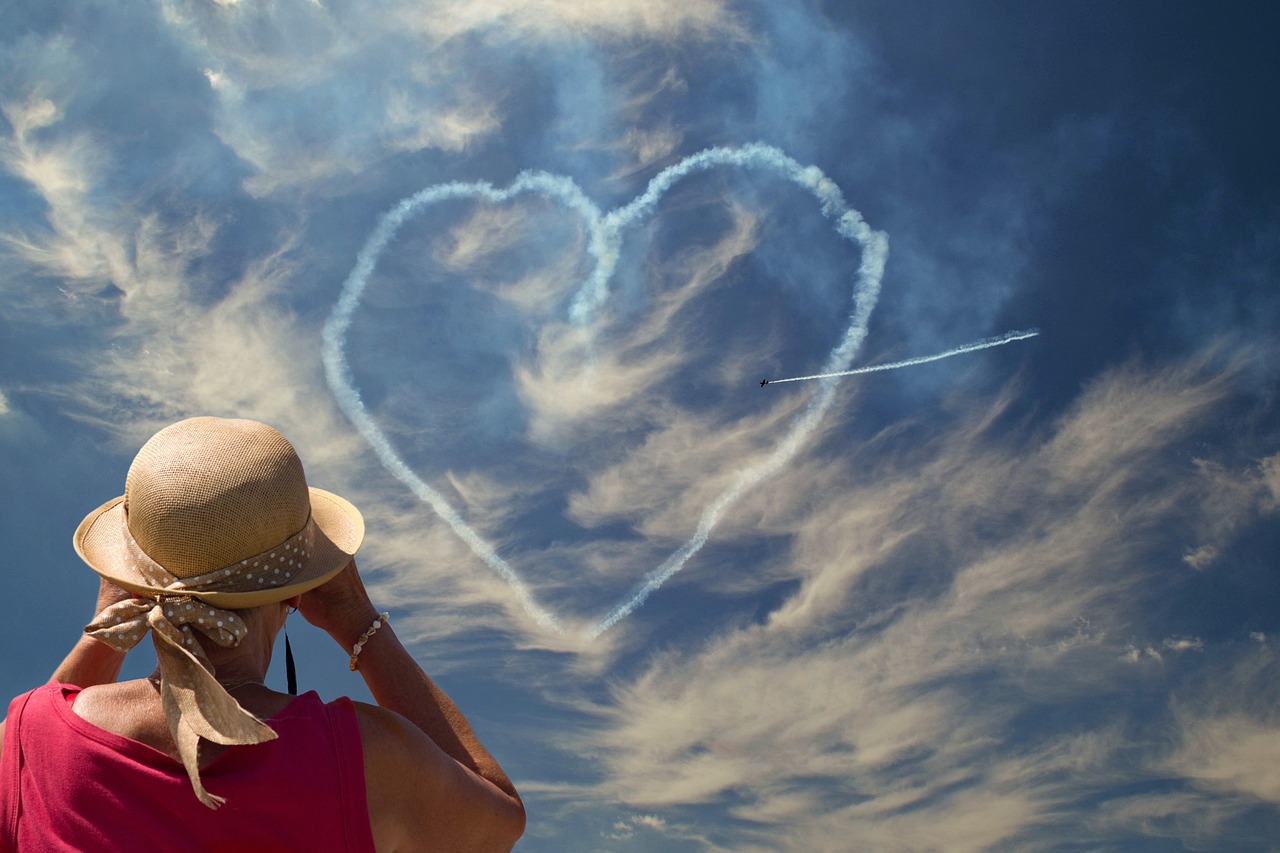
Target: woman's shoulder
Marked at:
131, 709
380, 728
134, 710
416, 791
109, 706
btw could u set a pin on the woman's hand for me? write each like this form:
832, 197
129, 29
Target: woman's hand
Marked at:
341, 607
109, 594
92, 661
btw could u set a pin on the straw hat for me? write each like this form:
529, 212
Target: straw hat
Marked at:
220, 510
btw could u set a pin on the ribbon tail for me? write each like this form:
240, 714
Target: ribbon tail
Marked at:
197, 706
189, 744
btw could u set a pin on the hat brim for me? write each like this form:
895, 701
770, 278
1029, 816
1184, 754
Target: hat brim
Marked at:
99, 540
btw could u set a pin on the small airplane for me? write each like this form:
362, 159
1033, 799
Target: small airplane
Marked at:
764, 382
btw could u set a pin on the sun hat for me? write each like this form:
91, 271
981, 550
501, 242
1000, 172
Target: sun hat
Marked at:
219, 509
216, 516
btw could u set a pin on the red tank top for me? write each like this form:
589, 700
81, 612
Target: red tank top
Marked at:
67, 785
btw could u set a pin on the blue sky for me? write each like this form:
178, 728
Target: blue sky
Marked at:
1018, 599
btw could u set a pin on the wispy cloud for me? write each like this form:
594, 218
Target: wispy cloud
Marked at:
941, 599
551, 19
164, 338
1231, 753
970, 612
309, 94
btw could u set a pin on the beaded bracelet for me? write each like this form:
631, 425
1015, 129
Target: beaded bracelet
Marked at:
383, 619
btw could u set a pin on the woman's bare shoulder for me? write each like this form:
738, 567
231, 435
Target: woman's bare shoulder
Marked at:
416, 791
110, 706
131, 709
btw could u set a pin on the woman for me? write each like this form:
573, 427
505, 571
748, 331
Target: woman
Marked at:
215, 541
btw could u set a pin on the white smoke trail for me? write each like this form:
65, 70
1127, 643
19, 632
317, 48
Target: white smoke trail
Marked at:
603, 244
849, 224
711, 515
985, 343
338, 372
875, 253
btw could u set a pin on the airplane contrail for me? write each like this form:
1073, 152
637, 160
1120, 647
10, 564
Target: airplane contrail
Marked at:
985, 343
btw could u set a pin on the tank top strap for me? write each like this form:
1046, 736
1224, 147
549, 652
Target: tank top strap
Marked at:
349, 752
11, 772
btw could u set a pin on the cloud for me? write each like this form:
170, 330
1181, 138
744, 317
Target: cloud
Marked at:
944, 591
158, 339
61, 170
1184, 644
1233, 754
945, 624
1271, 476
1195, 821
173, 354
1213, 762
649, 820
308, 95
553, 19
1234, 500
625, 829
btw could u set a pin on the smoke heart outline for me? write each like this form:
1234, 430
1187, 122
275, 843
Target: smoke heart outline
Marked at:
604, 232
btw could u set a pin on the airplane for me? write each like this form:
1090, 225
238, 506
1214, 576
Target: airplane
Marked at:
764, 382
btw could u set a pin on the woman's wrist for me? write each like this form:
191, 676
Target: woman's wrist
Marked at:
89, 662
358, 646
351, 626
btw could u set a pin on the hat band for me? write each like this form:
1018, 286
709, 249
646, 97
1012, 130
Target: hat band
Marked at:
275, 567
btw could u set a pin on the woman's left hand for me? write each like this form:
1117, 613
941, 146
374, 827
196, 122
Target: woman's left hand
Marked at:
92, 661
109, 594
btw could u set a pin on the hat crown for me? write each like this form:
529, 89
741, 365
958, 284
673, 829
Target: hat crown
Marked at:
205, 493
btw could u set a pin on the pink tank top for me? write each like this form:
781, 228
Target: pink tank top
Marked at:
67, 785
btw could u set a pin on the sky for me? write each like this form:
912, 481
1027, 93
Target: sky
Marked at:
471, 258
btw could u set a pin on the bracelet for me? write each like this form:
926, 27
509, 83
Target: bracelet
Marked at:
383, 619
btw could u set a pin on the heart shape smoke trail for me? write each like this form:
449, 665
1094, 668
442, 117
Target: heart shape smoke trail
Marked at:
603, 245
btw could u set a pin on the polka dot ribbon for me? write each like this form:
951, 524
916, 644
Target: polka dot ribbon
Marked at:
195, 705
177, 618
274, 567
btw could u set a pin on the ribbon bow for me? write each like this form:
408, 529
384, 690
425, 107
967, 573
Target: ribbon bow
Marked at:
195, 704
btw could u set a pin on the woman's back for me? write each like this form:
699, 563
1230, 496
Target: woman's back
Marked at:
134, 710
80, 784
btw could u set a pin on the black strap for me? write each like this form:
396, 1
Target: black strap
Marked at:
290, 671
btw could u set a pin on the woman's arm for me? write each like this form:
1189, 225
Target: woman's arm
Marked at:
425, 753
91, 661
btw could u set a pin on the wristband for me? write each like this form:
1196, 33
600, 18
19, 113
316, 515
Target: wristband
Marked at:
383, 619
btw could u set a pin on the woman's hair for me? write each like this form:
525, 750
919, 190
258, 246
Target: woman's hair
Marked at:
255, 619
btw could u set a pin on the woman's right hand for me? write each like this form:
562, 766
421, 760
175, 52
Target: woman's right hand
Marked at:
340, 606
